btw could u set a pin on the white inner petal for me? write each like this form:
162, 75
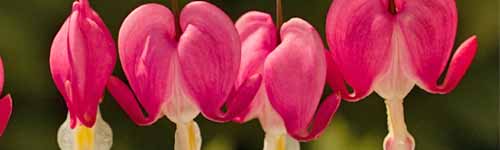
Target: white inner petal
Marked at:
394, 83
99, 137
280, 142
270, 120
180, 107
187, 136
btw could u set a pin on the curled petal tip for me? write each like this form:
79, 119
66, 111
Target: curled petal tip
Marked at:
460, 63
323, 117
5, 112
237, 101
336, 81
125, 98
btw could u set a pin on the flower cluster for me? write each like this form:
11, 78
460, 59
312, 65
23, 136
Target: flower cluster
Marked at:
180, 63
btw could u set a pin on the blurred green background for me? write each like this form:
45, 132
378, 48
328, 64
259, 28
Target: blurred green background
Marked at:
465, 119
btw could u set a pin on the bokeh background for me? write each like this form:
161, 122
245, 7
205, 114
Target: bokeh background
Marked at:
466, 119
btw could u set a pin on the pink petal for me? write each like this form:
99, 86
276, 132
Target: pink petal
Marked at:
459, 64
209, 55
359, 35
294, 77
88, 48
147, 48
335, 79
321, 121
429, 29
1, 75
5, 112
128, 103
60, 67
239, 99
258, 37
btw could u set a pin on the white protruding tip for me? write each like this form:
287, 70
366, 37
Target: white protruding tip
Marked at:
187, 136
280, 142
99, 137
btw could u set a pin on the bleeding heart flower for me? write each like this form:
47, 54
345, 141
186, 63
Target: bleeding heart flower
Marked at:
294, 74
391, 45
5, 103
82, 59
180, 74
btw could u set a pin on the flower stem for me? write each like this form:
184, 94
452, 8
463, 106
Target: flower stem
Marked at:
279, 14
392, 7
398, 137
176, 11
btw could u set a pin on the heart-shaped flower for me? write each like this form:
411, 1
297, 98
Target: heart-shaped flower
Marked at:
294, 72
180, 73
388, 46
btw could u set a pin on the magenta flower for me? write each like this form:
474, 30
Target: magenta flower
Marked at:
294, 72
388, 47
82, 59
180, 73
5, 103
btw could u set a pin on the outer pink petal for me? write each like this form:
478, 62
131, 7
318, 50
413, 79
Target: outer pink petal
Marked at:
5, 112
359, 34
1, 75
92, 55
336, 81
294, 77
209, 55
258, 37
429, 28
128, 103
59, 63
60, 68
147, 48
240, 99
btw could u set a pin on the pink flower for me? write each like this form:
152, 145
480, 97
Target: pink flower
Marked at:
294, 72
389, 46
82, 59
5, 104
180, 73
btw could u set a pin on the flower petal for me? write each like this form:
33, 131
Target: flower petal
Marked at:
92, 55
60, 68
294, 76
147, 49
187, 136
258, 37
5, 112
209, 55
429, 29
241, 98
458, 66
335, 80
359, 35
2, 79
125, 98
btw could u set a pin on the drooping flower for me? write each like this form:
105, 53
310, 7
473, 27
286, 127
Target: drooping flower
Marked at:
180, 73
5, 103
294, 72
388, 47
82, 59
